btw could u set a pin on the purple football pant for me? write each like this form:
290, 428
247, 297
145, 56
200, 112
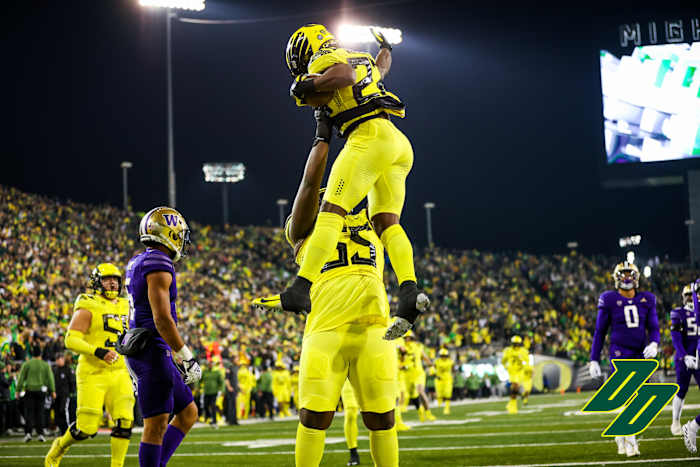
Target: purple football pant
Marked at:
683, 376
160, 386
617, 351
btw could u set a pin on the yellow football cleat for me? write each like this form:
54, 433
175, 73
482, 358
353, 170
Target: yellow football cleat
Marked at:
446, 411
271, 302
402, 427
430, 416
53, 458
512, 406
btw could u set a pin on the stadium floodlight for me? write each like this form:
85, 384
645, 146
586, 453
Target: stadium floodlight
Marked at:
224, 173
196, 5
647, 271
630, 257
126, 165
429, 221
356, 34
281, 203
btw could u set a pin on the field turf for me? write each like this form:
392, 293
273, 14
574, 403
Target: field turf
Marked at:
545, 433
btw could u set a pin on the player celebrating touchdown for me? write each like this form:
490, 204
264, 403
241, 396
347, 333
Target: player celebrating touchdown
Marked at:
374, 162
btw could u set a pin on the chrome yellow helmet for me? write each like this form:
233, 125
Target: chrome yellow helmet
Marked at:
306, 41
626, 283
688, 295
516, 340
100, 272
167, 227
443, 353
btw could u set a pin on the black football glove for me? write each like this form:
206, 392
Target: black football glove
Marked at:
379, 37
324, 126
301, 85
412, 303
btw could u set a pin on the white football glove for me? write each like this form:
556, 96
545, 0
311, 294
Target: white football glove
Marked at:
691, 362
651, 350
594, 369
188, 366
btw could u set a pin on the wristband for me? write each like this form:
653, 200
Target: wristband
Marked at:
184, 354
100, 353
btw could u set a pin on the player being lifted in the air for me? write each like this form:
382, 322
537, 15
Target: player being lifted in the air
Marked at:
102, 378
631, 316
684, 334
343, 336
374, 162
162, 387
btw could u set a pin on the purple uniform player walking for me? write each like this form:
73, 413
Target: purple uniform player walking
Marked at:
690, 429
631, 317
684, 334
162, 387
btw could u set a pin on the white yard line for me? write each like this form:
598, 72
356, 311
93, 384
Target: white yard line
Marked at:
635, 461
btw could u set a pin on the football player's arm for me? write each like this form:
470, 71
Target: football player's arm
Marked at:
338, 76
305, 205
601, 329
383, 58
159, 299
75, 337
677, 334
653, 323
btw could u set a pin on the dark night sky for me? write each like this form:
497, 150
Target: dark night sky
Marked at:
503, 110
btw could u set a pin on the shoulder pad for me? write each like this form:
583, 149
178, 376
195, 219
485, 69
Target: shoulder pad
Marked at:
83, 299
321, 53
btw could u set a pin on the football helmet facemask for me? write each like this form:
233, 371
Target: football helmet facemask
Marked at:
167, 227
626, 283
103, 271
306, 41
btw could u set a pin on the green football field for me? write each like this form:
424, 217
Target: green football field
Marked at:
547, 432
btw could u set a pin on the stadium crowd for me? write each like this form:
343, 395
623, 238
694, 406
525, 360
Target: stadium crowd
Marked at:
479, 300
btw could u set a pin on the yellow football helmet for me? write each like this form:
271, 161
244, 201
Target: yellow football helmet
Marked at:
168, 227
688, 294
516, 340
626, 283
306, 41
100, 272
443, 353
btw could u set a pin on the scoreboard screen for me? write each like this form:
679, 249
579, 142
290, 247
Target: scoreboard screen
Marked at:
651, 103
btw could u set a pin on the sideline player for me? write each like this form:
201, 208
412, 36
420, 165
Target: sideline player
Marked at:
684, 334
374, 162
631, 316
162, 389
282, 388
351, 409
515, 359
102, 377
343, 333
416, 382
443, 382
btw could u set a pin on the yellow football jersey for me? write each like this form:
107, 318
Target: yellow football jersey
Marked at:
443, 365
515, 358
246, 380
108, 321
360, 297
365, 98
415, 349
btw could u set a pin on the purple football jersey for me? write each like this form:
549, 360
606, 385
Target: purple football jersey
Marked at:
629, 320
140, 265
684, 331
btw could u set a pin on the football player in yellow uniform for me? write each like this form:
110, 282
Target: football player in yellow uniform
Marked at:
515, 358
443, 382
417, 351
246, 382
351, 408
102, 377
295, 387
374, 162
343, 336
281, 388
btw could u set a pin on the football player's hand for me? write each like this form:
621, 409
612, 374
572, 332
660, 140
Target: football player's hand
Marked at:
109, 356
271, 302
301, 85
594, 369
379, 37
324, 126
190, 371
411, 304
651, 350
691, 362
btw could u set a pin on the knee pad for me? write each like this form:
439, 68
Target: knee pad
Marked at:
122, 429
79, 435
88, 421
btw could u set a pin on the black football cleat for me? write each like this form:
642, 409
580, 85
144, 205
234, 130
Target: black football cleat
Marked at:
296, 298
354, 457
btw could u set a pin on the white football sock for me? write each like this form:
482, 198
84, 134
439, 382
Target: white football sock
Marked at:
677, 408
694, 426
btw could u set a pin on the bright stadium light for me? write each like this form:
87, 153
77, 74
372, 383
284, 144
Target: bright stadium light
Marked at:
224, 173
196, 5
356, 34
647, 271
630, 257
